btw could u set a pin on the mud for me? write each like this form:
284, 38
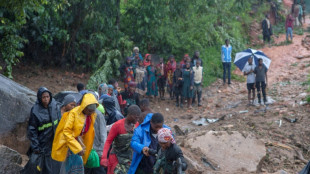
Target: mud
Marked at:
285, 142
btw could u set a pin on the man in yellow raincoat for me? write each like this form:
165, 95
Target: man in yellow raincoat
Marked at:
76, 130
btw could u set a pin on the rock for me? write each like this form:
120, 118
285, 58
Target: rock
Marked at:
10, 161
178, 130
200, 122
302, 95
186, 117
232, 151
15, 104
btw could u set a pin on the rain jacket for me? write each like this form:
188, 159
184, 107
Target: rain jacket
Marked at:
70, 127
42, 123
109, 106
141, 138
100, 133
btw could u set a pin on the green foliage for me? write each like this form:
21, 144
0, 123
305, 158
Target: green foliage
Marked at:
104, 73
95, 35
299, 31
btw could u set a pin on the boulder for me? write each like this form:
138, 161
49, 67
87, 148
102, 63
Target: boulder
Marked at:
15, 105
10, 161
230, 151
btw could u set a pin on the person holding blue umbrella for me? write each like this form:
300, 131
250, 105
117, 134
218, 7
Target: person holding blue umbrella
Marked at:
249, 72
261, 80
226, 60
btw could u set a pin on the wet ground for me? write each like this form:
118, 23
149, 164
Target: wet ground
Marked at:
286, 143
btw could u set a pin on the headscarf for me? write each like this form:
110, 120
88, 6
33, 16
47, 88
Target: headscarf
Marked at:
104, 89
68, 99
104, 96
165, 135
146, 55
132, 84
136, 48
110, 87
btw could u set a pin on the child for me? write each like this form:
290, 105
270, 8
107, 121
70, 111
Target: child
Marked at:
249, 72
170, 157
177, 82
198, 77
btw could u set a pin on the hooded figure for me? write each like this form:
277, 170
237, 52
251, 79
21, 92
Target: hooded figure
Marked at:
104, 89
110, 110
76, 124
44, 117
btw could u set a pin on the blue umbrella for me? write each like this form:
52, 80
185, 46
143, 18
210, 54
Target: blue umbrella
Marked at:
241, 58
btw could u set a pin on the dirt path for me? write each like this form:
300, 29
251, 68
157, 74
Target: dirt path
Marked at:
287, 76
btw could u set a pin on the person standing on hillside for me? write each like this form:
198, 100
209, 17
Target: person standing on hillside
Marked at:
261, 80
141, 79
136, 53
147, 60
198, 77
304, 11
152, 90
289, 24
177, 85
296, 14
170, 68
126, 71
300, 14
267, 29
184, 60
249, 72
188, 84
226, 61
196, 58
161, 75
43, 121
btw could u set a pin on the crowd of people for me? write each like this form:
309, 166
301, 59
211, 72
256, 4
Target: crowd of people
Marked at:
106, 131
296, 17
180, 79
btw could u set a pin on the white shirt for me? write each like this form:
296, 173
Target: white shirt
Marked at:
251, 76
198, 74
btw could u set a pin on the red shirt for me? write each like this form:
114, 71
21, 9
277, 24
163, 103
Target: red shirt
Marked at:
86, 126
117, 129
289, 22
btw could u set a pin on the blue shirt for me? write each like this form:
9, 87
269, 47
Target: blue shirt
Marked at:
226, 53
